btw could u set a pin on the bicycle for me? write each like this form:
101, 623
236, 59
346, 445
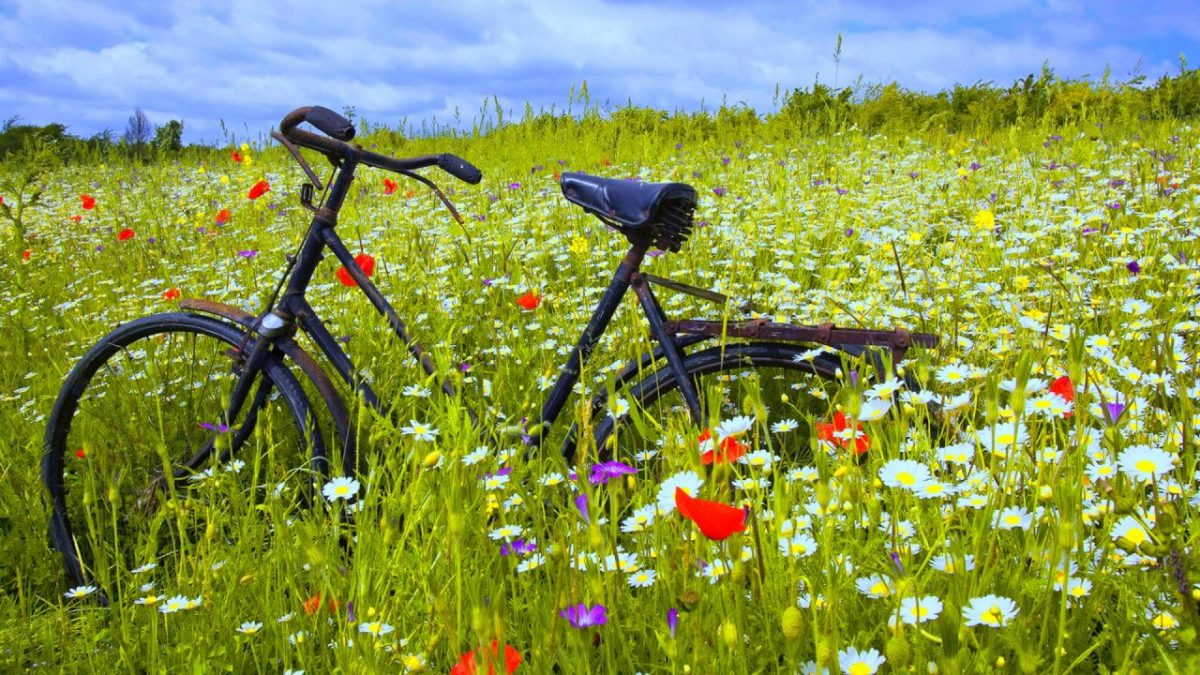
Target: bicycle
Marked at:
241, 389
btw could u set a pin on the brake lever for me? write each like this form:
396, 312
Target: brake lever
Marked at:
437, 191
291, 147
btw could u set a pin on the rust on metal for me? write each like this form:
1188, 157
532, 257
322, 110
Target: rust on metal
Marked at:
898, 339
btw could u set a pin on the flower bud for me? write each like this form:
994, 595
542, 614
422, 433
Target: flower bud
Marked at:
898, 652
792, 622
729, 634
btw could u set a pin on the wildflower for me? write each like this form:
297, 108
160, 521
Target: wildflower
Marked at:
171, 294
799, 545
672, 620
259, 189
80, 592
75, 218
420, 431
618, 407
603, 472
1162, 620
250, 627
582, 616
342, 487
903, 473
716, 521
1065, 389
389, 186
125, 235
144, 568
365, 262
952, 374
642, 579
174, 604
148, 601
784, 426
855, 662
735, 426
640, 519
87, 202
1133, 267
375, 628
840, 434
920, 609
728, 450
1014, 518
685, 480
519, 548
530, 301
1144, 462
1131, 530
235, 156
992, 611
874, 409
874, 586
466, 664
248, 253
947, 564
505, 532
223, 216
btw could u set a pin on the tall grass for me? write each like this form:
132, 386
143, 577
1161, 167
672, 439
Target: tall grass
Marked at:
1037, 252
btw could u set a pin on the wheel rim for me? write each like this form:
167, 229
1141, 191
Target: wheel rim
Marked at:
153, 403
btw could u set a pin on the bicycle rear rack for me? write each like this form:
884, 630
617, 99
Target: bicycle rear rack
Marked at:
897, 340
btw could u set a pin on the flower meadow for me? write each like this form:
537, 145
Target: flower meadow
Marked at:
1037, 518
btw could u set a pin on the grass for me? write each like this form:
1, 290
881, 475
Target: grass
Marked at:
1035, 253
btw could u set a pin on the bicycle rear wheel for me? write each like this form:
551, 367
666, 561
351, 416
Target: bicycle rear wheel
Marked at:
138, 425
770, 392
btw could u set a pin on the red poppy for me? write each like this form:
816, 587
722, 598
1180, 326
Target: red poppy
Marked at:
171, 294
530, 300
716, 521
365, 263
76, 218
260, 188
729, 450
233, 154
833, 432
80, 453
389, 186
88, 202
28, 252
313, 604
466, 665
1064, 388
125, 235
223, 216
409, 194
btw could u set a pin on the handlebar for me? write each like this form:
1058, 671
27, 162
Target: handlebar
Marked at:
338, 130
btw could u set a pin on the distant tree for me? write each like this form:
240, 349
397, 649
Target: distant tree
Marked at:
138, 131
169, 137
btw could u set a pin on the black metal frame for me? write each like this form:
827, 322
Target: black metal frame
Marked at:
292, 312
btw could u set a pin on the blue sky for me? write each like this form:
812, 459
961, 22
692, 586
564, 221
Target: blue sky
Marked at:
88, 64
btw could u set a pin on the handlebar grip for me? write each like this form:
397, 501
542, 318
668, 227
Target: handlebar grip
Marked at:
330, 123
459, 168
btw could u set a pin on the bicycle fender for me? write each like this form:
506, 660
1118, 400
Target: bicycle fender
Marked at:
346, 437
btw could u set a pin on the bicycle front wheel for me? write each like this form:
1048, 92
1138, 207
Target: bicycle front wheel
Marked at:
140, 424
771, 392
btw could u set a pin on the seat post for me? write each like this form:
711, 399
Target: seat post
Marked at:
596, 326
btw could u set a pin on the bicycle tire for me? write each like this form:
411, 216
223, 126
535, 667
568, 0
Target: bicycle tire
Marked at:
180, 366
741, 376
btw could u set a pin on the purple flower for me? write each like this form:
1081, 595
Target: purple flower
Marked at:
672, 620
993, 197
896, 561
914, 175
220, 427
842, 191
975, 166
719, 191
1113, 411
464, 367
1116, 183
1133, 267
581, 503
350, 615
602, 472
849, 231
514, 186
519, 547
1115, 206
724, 161
582, 616
248, 253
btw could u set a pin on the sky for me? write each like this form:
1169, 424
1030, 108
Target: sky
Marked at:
231, 69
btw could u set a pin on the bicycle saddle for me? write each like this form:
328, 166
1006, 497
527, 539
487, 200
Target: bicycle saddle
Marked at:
630, 203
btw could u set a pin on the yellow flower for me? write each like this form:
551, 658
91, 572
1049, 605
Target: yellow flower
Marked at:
985, 220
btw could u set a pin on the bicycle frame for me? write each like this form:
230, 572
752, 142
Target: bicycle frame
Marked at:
293, 312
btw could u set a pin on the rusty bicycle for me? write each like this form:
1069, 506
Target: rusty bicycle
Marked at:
166, 402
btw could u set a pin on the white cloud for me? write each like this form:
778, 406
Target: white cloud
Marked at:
249, 63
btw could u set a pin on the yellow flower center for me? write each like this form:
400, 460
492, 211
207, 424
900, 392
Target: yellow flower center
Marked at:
1145, 466
993, 616
1136, 535
880, 589
905, 478
860, 668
